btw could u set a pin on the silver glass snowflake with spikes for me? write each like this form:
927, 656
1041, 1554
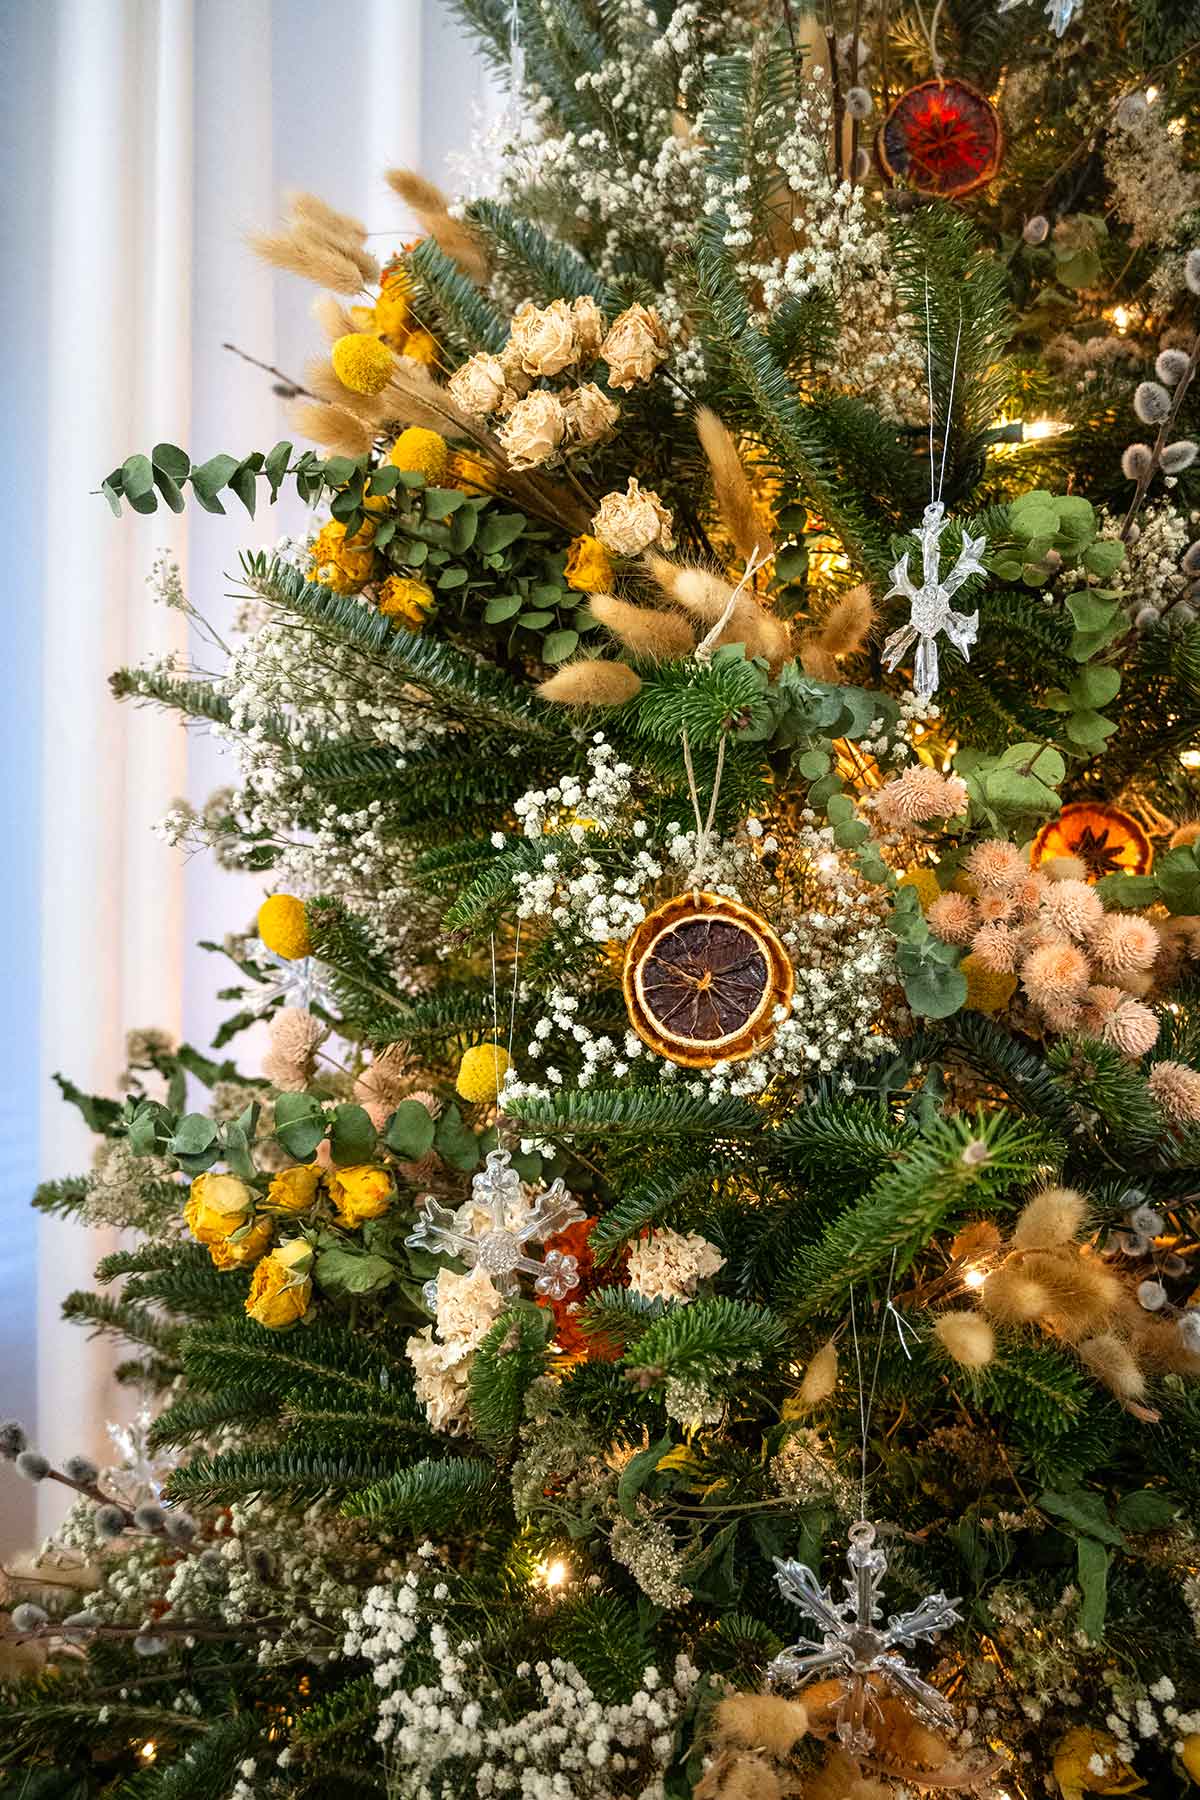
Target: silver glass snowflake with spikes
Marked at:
494, 1230
298, 981
930, 602
856, 1646
1059, 12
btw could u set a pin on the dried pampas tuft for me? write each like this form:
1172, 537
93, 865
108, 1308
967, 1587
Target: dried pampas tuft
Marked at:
820, 1377
647, 631
591, 683
333, 427
452, 237
734, 495
966, 1337
1113, 1363
1054, 1217
843, 632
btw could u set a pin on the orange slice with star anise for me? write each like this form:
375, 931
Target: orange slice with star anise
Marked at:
1106, 840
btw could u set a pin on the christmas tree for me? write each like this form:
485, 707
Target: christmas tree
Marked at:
722, 768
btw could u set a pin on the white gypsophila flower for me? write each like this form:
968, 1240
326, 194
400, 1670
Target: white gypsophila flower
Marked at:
455, 1730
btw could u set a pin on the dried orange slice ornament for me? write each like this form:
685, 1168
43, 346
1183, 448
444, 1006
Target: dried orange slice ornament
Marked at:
703, 976
1106, 840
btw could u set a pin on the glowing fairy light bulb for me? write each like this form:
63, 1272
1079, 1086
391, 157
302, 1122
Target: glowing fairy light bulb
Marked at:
553, 1573
148, 1751
974, 1278
1190, 759
1035, 430
1121, 318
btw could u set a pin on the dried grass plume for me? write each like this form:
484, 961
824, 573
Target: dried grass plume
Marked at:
452, 237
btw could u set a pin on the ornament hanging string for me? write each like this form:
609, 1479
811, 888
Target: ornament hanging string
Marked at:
929, 33
703, 655
512, 1011
866, 1401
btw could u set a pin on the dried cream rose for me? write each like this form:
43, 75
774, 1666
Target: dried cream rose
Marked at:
519, 383
589, 327
544, 337
629, 523
591, 416
480, 385
635, 345
533, 430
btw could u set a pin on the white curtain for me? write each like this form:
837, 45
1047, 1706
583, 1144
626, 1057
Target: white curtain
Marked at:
142, 140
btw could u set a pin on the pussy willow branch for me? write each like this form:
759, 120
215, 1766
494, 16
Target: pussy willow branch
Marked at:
1164, 431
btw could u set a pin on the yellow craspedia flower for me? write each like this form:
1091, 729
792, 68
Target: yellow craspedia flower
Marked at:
362, 362
283, 927
420, 346
406, 601
987, 991
239, 1252
588, 570
422, 452
280, 1289
359, 1193
294, 1190
343, 564
926, 884
217, 1205
481, 1072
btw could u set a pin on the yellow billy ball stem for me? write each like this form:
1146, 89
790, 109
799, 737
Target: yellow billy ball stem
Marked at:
283, 927
481, 1072
361, 362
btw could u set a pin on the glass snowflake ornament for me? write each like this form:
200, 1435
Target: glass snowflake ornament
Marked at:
299, 981
856, 1647
494, 1230
1059, 12
931, 611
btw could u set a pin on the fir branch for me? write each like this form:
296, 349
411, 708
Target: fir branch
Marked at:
508, 1360
804, 437
706, 1339
461, 688
428, 1493
462, 315
119, 1318
957, 1163
647, 1113
602, 1635
292, 1474
65, 1197
549, 270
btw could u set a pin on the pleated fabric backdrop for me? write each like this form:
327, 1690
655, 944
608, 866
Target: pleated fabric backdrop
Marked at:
140, 141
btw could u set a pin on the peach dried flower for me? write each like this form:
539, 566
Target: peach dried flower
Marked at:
953, 918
